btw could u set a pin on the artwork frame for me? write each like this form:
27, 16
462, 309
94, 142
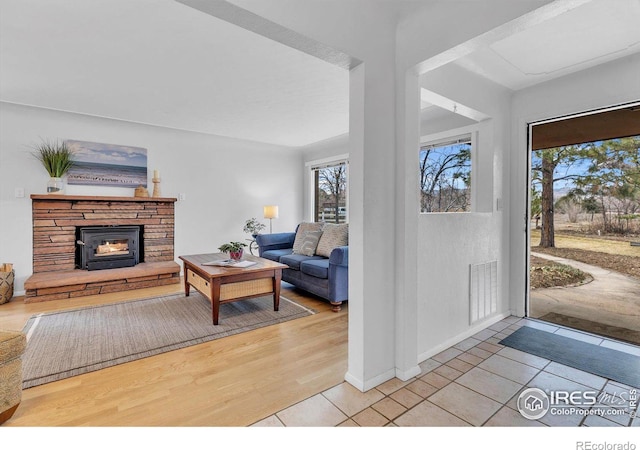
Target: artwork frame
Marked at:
102, 164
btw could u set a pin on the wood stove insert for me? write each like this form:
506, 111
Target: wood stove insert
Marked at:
108, 247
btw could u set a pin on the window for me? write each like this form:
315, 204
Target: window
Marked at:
330, 192
445, 175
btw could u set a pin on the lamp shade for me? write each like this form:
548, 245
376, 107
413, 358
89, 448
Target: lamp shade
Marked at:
271, 212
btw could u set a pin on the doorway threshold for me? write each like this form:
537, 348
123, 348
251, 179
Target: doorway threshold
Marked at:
584, 336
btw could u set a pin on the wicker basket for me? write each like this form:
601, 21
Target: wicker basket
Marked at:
7, 275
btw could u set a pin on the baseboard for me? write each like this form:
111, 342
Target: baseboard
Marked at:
462, 336
355, 382
405, 375
365, 385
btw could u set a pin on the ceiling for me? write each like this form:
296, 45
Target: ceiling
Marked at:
163, 63
594, 33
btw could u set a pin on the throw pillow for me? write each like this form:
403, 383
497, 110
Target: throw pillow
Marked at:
302, 229
333, 235
310, 241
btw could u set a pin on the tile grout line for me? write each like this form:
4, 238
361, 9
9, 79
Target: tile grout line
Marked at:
404, 385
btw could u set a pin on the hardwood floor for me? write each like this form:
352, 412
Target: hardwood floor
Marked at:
233, 381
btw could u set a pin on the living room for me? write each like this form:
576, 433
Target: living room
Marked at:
400, 317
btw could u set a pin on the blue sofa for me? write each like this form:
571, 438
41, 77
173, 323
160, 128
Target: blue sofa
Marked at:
325, 277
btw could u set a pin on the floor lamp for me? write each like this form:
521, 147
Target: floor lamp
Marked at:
270, 212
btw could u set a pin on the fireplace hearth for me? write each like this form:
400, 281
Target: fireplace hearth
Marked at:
108, 247
57, 256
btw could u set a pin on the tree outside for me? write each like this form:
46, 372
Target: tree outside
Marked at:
331, 194
445, 178
586, 200
596, 178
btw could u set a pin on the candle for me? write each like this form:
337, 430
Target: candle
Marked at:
156, 174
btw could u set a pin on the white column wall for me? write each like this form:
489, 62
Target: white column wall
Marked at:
362, 30
406, 211
372, 287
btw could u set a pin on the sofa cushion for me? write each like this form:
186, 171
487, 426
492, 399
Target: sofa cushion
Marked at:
333, 235
301, 235
318, 268
274, 255
310, 241
293, 261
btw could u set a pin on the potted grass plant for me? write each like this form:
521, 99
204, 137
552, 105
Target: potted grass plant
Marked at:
57, 159
234, 249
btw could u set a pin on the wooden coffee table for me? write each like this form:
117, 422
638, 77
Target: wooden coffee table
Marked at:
230, 284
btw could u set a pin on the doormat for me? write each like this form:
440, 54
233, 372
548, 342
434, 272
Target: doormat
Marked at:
605, 362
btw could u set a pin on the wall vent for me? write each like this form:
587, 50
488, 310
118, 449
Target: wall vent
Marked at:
483, 290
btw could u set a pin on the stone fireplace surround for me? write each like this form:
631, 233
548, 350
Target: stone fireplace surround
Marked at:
55, 218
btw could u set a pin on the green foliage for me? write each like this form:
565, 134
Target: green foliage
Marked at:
253, 227
590, 205
231, 247
606, 176
56, 157
536, 202
613, 178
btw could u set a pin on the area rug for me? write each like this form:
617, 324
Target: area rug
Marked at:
602, 361
69, 343
619, 333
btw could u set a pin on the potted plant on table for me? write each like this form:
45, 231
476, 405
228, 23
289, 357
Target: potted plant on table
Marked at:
234, 249
57, 159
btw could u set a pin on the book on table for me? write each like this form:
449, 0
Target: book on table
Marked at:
230, 263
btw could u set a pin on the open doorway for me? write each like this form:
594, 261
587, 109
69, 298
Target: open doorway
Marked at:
584, 222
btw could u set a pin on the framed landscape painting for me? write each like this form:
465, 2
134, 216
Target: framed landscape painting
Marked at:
99, 164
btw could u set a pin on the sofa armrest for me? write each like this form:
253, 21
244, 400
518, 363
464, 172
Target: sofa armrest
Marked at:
339, 274
340, 256
276, 241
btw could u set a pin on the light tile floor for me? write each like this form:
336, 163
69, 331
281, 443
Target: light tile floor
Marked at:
474, 383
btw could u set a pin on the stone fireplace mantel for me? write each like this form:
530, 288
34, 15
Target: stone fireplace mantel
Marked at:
55, 219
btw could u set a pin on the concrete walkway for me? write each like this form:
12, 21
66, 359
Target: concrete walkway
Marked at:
611, 299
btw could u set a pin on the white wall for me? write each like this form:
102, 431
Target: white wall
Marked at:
606, 85
328, 149
432, 121
449, 242
225, 181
